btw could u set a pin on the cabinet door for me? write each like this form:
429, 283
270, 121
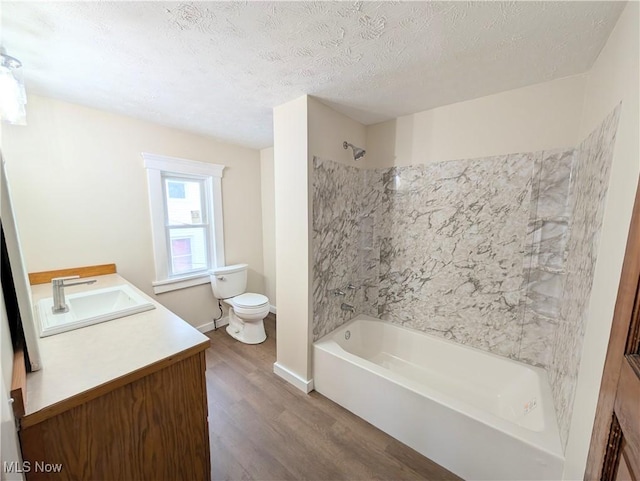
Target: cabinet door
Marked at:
153, 428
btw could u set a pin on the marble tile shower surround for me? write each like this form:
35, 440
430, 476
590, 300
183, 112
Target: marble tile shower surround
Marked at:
337, 207
589, 182
497, 253
545, 255
450, 248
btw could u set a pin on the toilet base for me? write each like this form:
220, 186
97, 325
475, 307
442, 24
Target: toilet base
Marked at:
248, 332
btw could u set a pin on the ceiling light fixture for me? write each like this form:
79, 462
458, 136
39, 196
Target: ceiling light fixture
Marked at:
13, 97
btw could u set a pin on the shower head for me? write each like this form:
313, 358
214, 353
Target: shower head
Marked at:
358, 153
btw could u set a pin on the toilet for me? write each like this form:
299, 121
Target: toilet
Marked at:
246, 309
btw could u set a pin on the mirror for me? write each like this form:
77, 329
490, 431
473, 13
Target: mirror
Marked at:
20, 284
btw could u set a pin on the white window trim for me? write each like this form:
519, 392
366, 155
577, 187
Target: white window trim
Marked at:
155, 165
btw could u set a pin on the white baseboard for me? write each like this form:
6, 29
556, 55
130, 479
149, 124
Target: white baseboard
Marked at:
305, 386
209, 325
272, 309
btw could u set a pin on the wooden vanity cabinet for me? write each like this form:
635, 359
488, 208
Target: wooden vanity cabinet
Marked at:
148, 425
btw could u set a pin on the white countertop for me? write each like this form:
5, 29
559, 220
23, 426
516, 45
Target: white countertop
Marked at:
78, 361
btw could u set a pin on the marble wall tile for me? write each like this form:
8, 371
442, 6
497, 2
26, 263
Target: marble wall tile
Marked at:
451, 255
337, 201
454, 248
538, 333
545, 255
549, 242
563, 373
544, 293
549, 213
555, 176
589, 182
530, 248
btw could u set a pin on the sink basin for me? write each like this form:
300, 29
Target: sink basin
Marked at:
91, 307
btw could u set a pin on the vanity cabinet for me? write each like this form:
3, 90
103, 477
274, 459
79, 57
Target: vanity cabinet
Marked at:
120, 400
150, 425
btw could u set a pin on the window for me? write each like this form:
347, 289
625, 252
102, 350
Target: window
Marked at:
187, 224
185, 199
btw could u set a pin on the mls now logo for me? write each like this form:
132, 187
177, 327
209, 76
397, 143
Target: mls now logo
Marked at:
28, 466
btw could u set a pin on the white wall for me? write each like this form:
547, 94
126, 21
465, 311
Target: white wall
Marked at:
268, 223
292, 238
303, 128
538, 117
328, 130
80, 195
614, 77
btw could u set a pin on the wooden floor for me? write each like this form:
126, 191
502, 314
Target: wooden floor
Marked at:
262, 428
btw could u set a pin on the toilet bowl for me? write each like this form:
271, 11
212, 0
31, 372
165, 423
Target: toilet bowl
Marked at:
247, 310
246, 317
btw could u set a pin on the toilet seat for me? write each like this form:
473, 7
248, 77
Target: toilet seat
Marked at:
249, 300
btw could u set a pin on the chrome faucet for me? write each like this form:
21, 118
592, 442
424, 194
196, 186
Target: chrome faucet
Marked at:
59, 304
347, 307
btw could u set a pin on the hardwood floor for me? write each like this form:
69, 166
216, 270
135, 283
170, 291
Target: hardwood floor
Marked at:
262, 428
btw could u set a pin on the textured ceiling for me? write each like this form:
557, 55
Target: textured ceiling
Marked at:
218, 68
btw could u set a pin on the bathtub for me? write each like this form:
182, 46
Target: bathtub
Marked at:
479, 415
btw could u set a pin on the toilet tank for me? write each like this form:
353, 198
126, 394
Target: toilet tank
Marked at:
229, 281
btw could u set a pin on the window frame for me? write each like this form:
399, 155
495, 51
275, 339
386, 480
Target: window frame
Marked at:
157, 167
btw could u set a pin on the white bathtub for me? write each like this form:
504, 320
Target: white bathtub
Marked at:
479, 415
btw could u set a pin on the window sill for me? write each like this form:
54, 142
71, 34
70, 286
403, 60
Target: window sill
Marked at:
176, 283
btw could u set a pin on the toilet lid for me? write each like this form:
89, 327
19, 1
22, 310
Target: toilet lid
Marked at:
250, 300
